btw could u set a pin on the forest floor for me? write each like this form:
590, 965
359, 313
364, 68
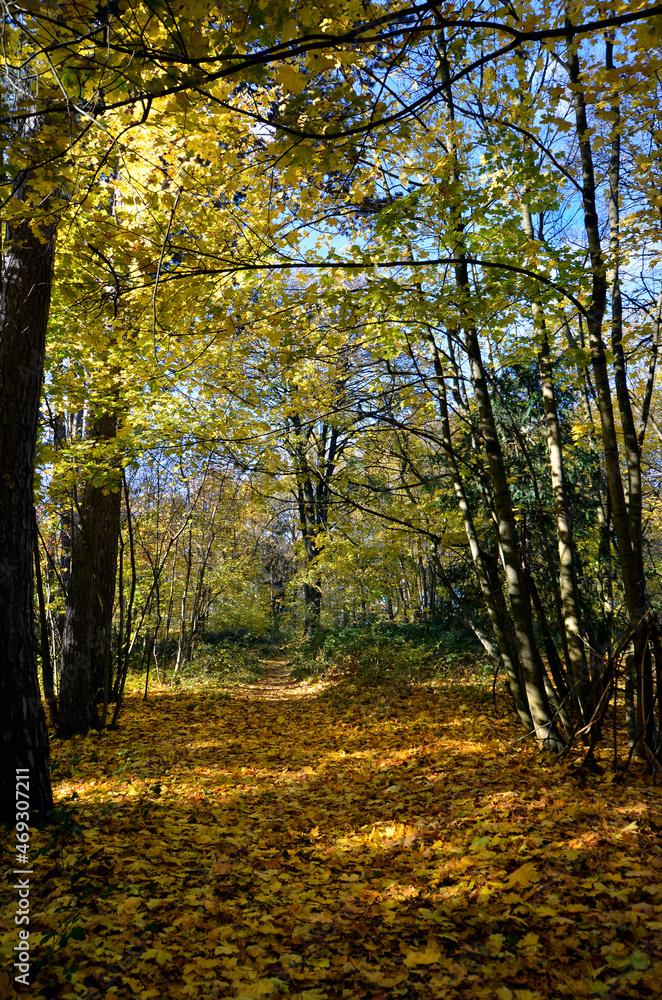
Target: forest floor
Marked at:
306, 840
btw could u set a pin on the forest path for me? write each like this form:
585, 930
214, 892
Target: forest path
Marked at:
276, 683
317, 841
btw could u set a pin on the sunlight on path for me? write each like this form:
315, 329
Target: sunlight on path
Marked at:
276, 684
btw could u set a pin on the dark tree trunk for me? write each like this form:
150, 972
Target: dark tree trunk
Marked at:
86, 652
25, 289
314, 471
312, 600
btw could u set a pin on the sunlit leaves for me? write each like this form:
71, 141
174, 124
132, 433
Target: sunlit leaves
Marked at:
296, 839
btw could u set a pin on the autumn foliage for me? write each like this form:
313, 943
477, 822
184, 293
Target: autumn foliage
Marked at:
335, 323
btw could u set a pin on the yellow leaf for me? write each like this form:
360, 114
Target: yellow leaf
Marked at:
522, 876
225, 949
161, 957
262, 988
291, 80
424, 956
504, 993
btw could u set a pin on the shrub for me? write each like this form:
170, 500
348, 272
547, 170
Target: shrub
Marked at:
225, 660
385, 653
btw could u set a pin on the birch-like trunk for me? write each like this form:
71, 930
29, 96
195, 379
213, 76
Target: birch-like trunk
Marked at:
507, 655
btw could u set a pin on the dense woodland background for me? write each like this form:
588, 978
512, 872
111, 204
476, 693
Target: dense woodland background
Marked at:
349, 321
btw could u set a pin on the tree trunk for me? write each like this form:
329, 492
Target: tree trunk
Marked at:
312, 601
86, 642
630, 437
168, 615
567, 570
182, 614
25, 289
634, 597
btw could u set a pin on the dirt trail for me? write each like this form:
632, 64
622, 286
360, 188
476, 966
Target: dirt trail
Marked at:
276, 684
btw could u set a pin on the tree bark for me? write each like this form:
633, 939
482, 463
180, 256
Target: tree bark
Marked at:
545, 730
634, 597
182, 615
25, 290
313, 496
630, 437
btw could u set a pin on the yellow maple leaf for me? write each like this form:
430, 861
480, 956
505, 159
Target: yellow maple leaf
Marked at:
523, 876
291, 80
160, 956
133, 983
423, 956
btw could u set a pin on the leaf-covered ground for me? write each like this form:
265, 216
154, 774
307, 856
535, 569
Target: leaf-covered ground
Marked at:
287, 840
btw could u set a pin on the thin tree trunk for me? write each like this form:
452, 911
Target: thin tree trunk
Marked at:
532, 669
546, 731
182, 620
634, 596
603, 567
44, 643
463, 618
199, 586
629, 547
508, 658
168, 616
551, 565
630, 437
567, 569
125, 649
645, 690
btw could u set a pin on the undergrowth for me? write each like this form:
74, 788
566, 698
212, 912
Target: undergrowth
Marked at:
385, 654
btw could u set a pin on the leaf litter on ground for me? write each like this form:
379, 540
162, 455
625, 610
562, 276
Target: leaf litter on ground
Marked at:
308, 841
